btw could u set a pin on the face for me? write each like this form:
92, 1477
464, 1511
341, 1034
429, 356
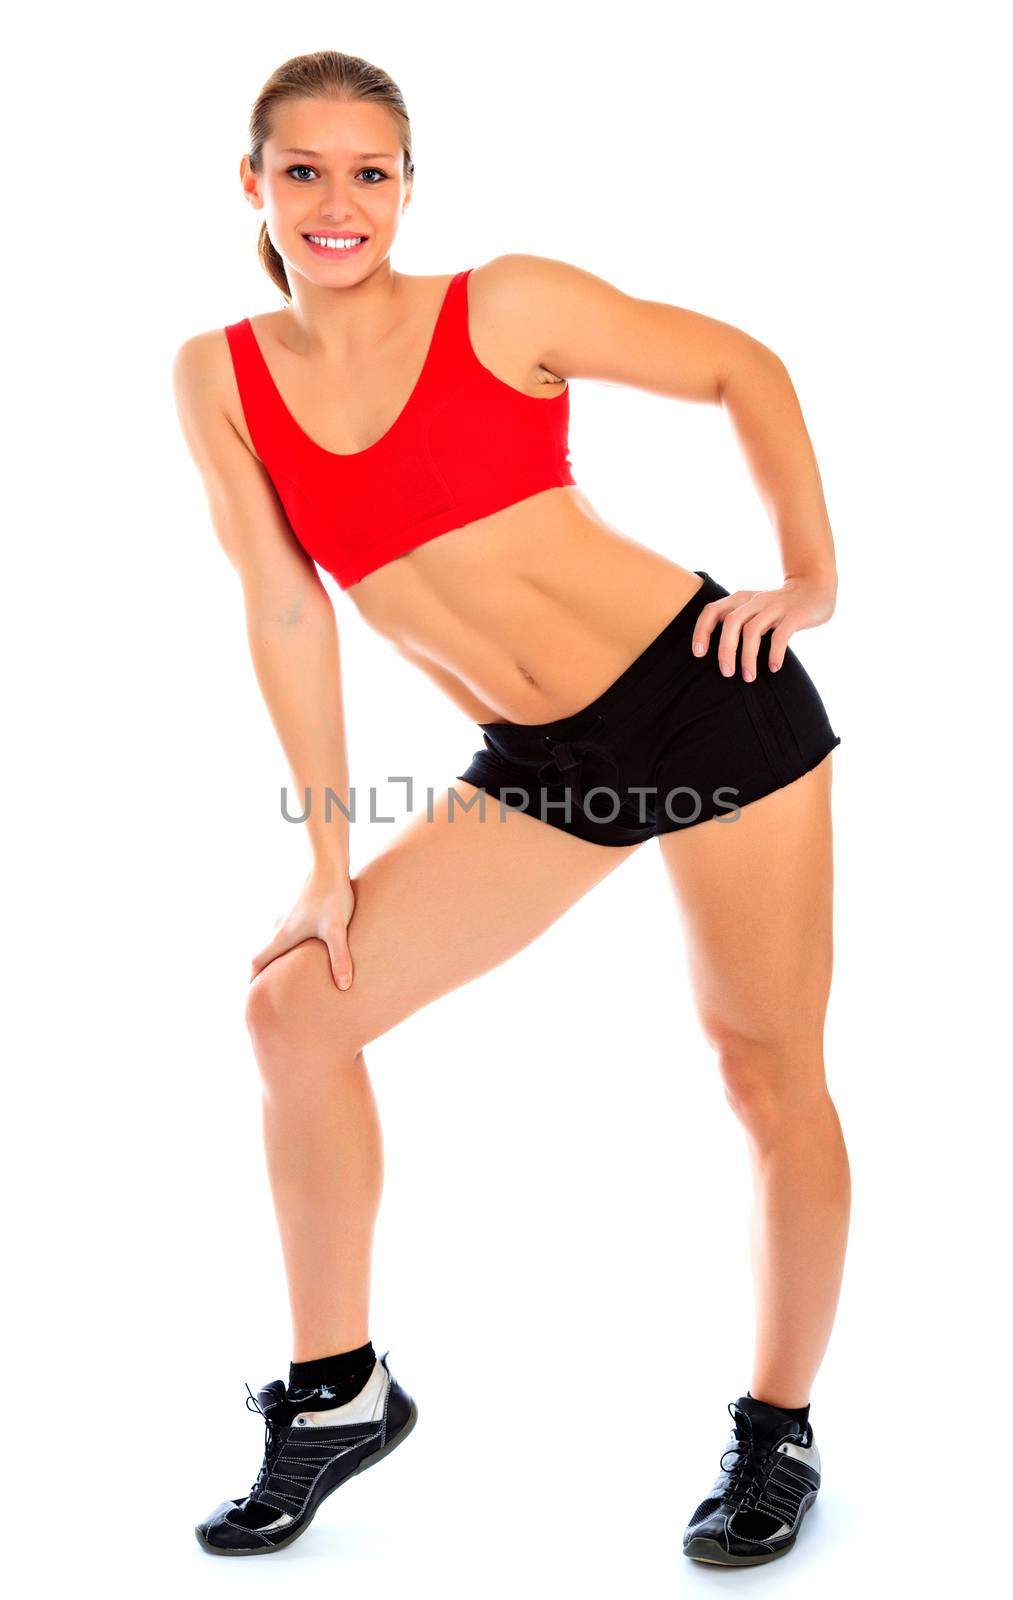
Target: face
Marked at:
330, 169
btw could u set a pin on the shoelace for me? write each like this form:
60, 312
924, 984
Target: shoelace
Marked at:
567, 754
751, 1464
272, 1443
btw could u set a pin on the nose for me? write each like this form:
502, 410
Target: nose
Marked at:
337, 204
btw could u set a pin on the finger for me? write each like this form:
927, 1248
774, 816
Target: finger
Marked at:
710, 614
281, 942
731, 631
779, 643
341, 960
752, 636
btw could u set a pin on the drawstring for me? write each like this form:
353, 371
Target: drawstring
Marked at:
567, 755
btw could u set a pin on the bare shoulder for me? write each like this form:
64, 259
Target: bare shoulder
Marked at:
527, 301
582, 326
540, 285
245, 509
515, 278
514, 305
205, 387
201, 365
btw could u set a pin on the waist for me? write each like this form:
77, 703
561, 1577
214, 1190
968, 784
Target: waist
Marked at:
526, 615
654, 670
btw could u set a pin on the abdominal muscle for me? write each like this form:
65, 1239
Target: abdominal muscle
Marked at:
529, 614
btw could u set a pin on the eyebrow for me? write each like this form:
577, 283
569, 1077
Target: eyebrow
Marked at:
361, 155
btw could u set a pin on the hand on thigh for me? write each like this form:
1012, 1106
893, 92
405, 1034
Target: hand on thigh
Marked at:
446, 901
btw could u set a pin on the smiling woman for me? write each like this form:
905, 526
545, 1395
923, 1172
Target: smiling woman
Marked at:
410, 437
331, 77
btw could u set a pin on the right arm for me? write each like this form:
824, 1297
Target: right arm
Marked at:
293, 639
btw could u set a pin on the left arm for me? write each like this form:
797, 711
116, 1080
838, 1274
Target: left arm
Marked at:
580, 326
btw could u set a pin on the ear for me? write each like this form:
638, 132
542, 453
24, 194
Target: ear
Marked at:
250, 183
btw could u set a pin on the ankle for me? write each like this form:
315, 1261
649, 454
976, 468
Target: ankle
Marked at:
800, 1413
338, 1377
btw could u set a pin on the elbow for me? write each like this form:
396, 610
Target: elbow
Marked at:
748, 361
273, 606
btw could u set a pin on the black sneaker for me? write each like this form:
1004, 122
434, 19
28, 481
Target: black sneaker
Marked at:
755, 1509
306, 1459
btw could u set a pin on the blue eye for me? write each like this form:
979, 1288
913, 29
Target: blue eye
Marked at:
291, 171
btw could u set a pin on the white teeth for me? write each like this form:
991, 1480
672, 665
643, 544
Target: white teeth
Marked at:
335, 244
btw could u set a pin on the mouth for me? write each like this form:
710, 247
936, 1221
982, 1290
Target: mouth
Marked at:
335, 244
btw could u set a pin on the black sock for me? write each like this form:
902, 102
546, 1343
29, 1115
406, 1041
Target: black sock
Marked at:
344, 1375
800, 1413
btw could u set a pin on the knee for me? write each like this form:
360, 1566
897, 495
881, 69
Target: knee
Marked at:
770, 1080
271, 1009
292, 1015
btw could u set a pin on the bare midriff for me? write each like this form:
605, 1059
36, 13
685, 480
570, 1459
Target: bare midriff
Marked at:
529, 614
522, 616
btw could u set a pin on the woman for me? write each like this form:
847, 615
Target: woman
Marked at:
621, 697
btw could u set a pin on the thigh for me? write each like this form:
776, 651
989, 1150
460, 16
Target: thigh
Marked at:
446, 901
756, 898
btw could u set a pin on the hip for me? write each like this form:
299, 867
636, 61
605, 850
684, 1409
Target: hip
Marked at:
670, 742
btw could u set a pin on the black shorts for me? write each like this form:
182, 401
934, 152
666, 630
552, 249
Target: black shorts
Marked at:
672, 742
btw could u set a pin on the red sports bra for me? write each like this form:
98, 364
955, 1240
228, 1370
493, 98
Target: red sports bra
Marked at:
466, 444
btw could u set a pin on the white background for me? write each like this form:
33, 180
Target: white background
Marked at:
561, 1270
